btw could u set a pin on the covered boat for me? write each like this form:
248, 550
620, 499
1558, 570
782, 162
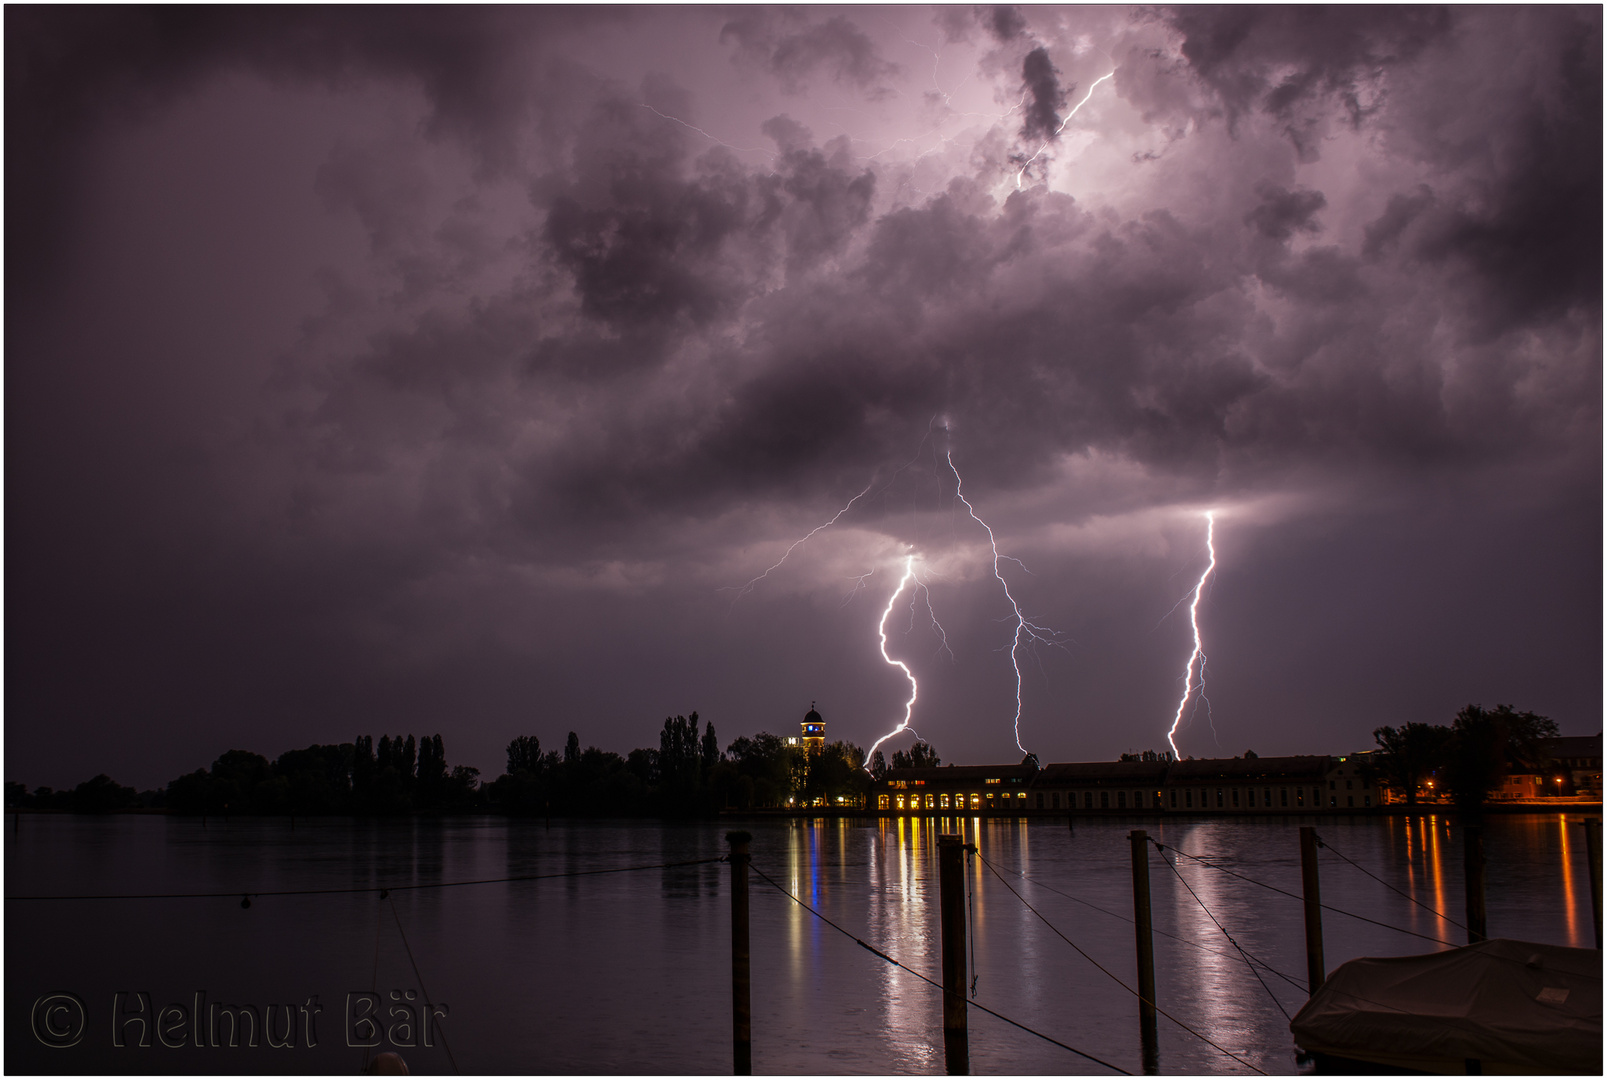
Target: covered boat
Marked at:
1499, 1006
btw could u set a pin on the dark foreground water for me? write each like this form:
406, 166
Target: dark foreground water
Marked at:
630, 973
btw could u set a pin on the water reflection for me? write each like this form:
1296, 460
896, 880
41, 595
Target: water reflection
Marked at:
630, 972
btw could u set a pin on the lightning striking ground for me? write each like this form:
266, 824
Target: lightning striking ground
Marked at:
1189, 685
909, 706
1033, 632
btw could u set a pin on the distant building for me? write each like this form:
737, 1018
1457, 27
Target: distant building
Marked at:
1254, 785
1567, 766
954, 788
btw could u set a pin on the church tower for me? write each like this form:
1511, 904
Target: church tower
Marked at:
814, 730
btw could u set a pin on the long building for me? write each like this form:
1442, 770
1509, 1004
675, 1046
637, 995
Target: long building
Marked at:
1257, 785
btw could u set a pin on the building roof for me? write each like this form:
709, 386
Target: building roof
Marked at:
1103, 772
963, 774
1573, 746
1240, 770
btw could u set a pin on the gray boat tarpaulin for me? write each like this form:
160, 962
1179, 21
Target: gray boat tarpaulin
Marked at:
1509, 1006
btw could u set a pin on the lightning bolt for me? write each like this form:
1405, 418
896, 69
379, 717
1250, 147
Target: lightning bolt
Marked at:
1189, 686
700, 131
746, 589
942, 634
909, 706
1033, 632
1062, 127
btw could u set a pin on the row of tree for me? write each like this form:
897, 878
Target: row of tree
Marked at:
1467, 760
685, 775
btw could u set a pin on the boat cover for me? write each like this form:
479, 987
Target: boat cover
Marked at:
1504, 1006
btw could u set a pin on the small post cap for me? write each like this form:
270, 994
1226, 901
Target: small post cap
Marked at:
738, 836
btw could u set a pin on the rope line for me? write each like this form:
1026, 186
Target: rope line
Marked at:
370, 888
1173, 867
1324, 844
1295, 896
373, 979
970, 917
1290, 979
428, 1001
878, 953
1108, 972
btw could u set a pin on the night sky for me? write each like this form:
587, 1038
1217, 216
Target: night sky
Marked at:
419, 370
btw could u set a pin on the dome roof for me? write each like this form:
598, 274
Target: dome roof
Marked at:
811, 717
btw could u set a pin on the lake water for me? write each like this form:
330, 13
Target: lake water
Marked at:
630, 972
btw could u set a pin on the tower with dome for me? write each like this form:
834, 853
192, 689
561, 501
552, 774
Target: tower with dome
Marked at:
813, 738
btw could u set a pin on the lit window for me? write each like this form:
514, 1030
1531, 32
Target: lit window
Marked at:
881, 802
944, 801
900, 802
976, 802
1021, 794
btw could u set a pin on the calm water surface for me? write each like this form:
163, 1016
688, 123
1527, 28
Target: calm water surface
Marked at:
630, 973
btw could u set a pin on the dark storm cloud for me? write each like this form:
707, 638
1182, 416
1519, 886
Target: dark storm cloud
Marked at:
1528, 226
1042, 81
1004, 23
1283, 213
794, 49
1273, 58
666, 352
72, 72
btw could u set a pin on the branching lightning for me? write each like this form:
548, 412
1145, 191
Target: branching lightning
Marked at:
746, 589
1024, 627
942, 634
1026, 632
1062, 127
1189, 685
909, 706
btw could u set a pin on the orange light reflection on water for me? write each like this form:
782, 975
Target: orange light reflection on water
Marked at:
1570, 897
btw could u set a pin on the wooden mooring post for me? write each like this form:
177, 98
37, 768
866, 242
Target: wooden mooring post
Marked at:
1145, 936
951, 908
1311, 887
1473, 880
741, 981
1593, 870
